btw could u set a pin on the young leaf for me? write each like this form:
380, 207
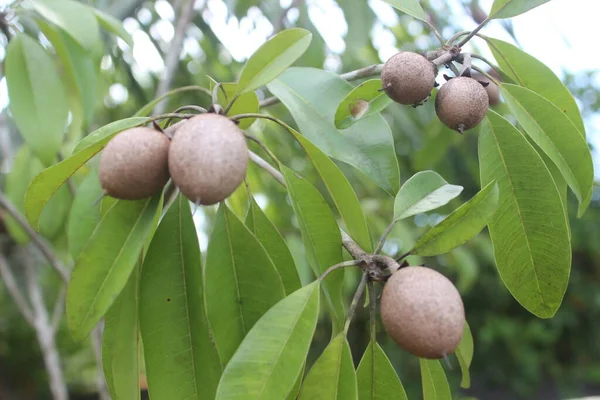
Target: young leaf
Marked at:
121, 342
529, 230
424, 191
464, 354
312, 96
113, 25
531, 73
410, 7
37, 100
245, 103
433, 378
363, 101
241, 282
269, 361
276, 247
557, 136
321, 237
377, 379
76, 19
47, 182
272, 58
332, 376
460, 226
512, 8
181, 360
85, 214
105, 264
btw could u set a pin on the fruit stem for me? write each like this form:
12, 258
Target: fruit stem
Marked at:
473, 32
359, 292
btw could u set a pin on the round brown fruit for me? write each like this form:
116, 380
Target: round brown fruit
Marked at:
461, 103
134, 164
492, 89
408, 78
423, 312
208, 158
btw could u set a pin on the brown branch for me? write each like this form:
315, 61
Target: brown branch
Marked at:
357, 295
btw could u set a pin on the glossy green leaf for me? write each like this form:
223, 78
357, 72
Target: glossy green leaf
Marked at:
363, 101
557, 136
529, 230
424, 191
321, 237
38, 102
433, 379
275, 245
269, 361
147, 108
464, 354
332, 377
85, 213
341, 191
181, 360
313, 96
47, 182
273, 57
461, 225
241, 282
245, 103
377, 379
410, 7
74, 18
112, 25
121, 343
512, 8
533, 74
105, 264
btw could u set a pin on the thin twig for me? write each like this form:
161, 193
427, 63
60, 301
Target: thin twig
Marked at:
13, 289
258, 160
263, 147
343, 264
359, 292
59, 307
384, 236
473, 32
437, 33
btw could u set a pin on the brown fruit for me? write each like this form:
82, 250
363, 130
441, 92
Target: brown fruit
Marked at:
492, 89
208, 158
134, 164
423, 312
408, 78
461, 103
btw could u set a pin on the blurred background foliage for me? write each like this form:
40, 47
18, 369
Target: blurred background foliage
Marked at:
516, 355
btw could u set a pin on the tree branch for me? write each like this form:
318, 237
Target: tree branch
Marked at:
59, 307
13, 289
357, 295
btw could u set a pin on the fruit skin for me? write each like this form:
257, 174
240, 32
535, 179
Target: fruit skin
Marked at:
408, 78
423, 312
134, 164
492, 89
461, 103
208, 158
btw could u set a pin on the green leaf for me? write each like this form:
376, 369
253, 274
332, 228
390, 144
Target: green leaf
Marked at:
273, 57
321, 237
76, 19
512, 8
424, 191
340, 190
557, 136
269, 361
112, 25
275, 245
47, 182
363, 101
332, 376
85, 213
241, 282
181, 360
245, 103
313, 96
361, 18
105, 264
147, 109
464, 354
433, 378
533, 74
410, 7
121, 342
460, 226
377, 379
529, 230
38, 102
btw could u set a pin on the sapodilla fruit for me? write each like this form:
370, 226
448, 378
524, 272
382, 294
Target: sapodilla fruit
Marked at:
423, 312
134, 164
461, 103
208, 158
408, 78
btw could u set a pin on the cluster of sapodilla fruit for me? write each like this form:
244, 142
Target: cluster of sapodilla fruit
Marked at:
461, 103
